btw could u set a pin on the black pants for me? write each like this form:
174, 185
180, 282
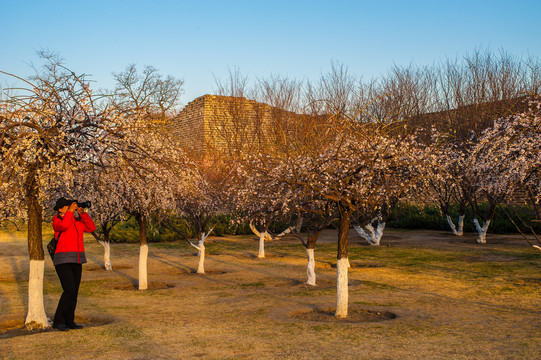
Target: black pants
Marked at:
70, 278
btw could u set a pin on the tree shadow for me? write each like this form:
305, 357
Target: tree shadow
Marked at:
20, 276
172, 263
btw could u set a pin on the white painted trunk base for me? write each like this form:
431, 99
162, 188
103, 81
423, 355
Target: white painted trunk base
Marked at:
143, 257
342, 288
285, 232
257, 233
311, 268
36, 317
481, 231
261, 253
373, 236
107, 256
458, 231
201, 246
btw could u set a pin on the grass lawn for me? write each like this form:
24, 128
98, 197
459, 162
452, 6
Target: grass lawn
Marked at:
449, 299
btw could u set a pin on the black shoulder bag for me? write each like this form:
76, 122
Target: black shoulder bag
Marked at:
51, 246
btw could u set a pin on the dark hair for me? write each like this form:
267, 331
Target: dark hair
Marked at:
60, 203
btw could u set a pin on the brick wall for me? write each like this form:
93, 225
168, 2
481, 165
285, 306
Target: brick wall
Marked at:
188, 126
223, 123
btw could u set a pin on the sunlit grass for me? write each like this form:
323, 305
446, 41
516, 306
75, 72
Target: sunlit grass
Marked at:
443, 296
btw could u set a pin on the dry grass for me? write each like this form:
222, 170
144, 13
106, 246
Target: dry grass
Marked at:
453, 300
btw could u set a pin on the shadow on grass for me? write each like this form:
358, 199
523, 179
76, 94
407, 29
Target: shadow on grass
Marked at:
13, 329
355, 315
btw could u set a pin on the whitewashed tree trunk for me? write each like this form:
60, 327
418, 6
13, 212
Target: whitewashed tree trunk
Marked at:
482, 231
311, 268
451, 224
373, 236
143, 257
258, 234
458, 231
379, 231
201, 250
342, 288
107, 255
36, 317
261, 253
285, 232
201, 247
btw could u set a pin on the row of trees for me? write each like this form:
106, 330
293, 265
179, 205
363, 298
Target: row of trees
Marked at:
59, 138
338, 150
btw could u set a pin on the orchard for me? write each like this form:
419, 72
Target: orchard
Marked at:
334, 153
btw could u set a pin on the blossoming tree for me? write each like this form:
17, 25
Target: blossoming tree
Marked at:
259, 198
445, 162
207, 198
49, 127
509, 158
150, 165
364, 166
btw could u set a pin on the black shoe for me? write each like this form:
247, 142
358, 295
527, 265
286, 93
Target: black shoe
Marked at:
60, 327
75, 326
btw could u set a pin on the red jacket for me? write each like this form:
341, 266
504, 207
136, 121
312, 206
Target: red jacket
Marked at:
69, 232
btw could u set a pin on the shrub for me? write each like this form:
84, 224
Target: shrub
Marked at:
411, 216
404, 216
128, 232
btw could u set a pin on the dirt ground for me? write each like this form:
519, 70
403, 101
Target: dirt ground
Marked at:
422, 294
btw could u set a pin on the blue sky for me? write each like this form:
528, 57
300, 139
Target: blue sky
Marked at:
197, 40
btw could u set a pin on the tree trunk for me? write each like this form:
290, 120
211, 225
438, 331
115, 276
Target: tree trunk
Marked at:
460, 230
257, 233
379, 232
311, 268
143, 252
106, 243
373, 236
107, 248
481, 230
201, 266
457, 230
261, 253
285, 232
342, 262
298, 226
36, 317
342, 299
107, 255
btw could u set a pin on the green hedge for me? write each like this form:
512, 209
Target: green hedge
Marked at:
410, 216
404, 216
128, 231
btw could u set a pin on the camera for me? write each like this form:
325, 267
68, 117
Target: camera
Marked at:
83, 204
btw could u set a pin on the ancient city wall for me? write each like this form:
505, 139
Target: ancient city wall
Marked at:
188, 126
222, 123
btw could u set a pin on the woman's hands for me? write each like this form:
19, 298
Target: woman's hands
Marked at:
73, 207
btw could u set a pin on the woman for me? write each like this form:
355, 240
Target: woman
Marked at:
69, 257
